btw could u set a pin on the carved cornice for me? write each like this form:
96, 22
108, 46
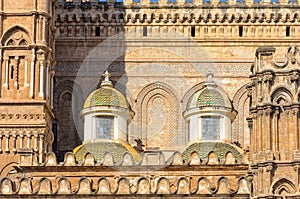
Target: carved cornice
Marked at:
196, 179
21, 117
146, 16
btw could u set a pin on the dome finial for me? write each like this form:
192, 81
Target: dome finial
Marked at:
106, 81
209, 76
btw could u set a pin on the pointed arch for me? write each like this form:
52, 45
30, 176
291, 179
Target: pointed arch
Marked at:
8, 168
15, 35
283, 186
281, 96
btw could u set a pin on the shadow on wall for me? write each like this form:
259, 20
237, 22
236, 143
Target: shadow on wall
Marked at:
89, 40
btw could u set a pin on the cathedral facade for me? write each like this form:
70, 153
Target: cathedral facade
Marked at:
149, 98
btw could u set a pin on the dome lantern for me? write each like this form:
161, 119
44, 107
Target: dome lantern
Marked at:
209, 113
106, 113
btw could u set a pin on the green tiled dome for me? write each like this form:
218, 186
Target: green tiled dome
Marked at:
210, 97
98, 149
204, 148
106, 96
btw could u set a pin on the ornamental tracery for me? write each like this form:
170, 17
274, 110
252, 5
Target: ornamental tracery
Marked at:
157, 103
16, 36
240, 129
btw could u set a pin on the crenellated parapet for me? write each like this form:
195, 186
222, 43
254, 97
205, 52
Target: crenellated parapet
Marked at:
83, 4
199, 20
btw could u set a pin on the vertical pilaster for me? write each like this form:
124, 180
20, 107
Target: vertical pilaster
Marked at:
41, 147
275, 134
41, 88
277, 130
25, 60
267, 128
296, 129
6, 60
32, 74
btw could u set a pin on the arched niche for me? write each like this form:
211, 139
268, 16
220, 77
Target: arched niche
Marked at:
281, 96
283, 187
16, 71
157, 116
16, 36
240, 129
68, 102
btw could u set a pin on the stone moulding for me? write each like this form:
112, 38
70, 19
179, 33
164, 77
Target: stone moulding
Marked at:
149, 16
127, 159
124, 186
172, 177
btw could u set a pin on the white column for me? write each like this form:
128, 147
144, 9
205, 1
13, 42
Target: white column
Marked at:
32, 73
47, 81
21, 141
6, 72
28, 141
41, 93
51, 88
1, 136
35, 143
7, 143
14, 150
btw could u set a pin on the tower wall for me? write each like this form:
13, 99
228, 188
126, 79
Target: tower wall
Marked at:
26, 71
274, 107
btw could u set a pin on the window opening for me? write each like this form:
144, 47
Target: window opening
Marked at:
210, 128
104, 127
240, 31
97, 32
145, 31
193, 31
287, 31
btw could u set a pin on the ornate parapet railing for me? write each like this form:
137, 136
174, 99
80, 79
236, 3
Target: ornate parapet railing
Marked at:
174, 177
